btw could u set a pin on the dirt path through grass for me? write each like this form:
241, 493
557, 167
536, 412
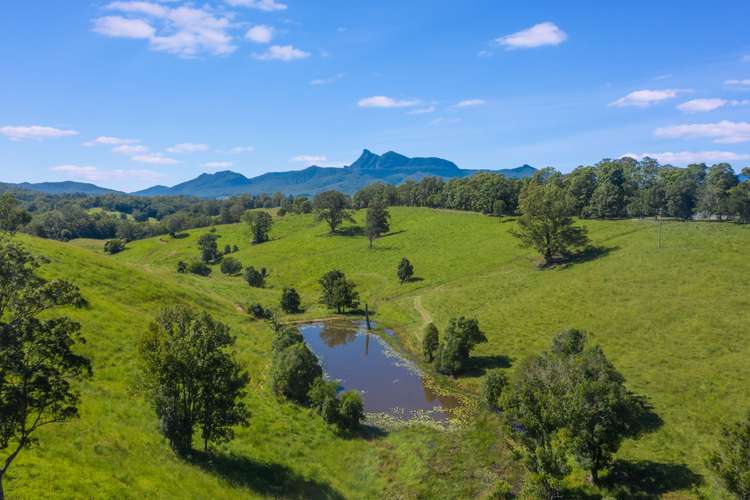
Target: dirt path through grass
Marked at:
426, 317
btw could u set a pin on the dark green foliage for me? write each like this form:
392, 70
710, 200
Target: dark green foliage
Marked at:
235, 249
231, 266
739, 200
333, 208
227, 249
260, 223
461, 336
430, 342
12, 214
290, 301
377, 221
281, 212
338, 292
293, 372
257, 311
322, 390
209, 248
255, 278
114, 246
405, 270
286, 336
199, 268
37, 361
351, 411
192, 379
546, 225
731, 458
182, 267
570, 400
492, 387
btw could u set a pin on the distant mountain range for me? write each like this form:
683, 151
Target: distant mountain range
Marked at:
392, 168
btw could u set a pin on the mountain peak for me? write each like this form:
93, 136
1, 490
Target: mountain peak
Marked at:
366, 160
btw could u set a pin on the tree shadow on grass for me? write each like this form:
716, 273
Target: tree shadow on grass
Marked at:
394, 233
351, 231
587, 254
647, 479
479, 365
269, 480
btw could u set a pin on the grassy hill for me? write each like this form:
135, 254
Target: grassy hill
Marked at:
672, 319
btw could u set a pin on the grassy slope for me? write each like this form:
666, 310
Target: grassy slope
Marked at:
672, 319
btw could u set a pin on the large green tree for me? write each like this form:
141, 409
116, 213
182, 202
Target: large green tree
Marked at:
12, 214
338, 292
208, 247
377, 221
260, 223
38, 364
333, 208
192, 378
461, 336
546, 224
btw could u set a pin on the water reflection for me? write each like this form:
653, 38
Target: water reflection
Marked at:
364, 362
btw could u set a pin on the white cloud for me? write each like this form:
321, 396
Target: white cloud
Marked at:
187, 147
128, 149
109, 141
155, 159
738, 83
723, 132
38, 132
381, 101
422, 111
538, 35
704, 105
688, 157
217, 164
327, 81
120, 27
282, 53
645, 98
264, 5
238, 150
260, 34
183, 30
93, 174
468, 103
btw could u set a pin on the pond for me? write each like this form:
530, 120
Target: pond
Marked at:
365, 362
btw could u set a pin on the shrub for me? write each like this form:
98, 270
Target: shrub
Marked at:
114, 246
286, 337
290, 301
351, 411
461, 336
231, 266
321, 390
254, 277
293, 372
430, 342
731, 459
235, 249
405, 270
258, 311
182, 267
492, 387
227, 249
199, 268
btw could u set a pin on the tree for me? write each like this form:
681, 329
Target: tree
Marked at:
260, 223
231, 266
338, 292
114, 246
258, 311
461, 336
492, 387
182, 267
351, 411
290, 301
255, 278
37, 362
199, 268
293, 372
715, 193
430, 342
12, 214
740, 201
546, 224
208, 247
731, 458
333, 208
405, 270
377, 220
192, 379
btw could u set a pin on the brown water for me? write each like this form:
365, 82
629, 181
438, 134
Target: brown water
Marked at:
364, 362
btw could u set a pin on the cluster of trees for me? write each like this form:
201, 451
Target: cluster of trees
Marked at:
452, 355
192, 379
296, 375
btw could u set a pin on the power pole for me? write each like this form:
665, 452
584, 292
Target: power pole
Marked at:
367, 317
658, 240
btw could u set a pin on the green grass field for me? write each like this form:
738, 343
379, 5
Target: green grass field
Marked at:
673, 319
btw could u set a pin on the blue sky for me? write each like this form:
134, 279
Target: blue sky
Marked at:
129, 94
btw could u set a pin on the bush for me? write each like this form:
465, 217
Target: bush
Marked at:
227, 249
492, 387
405, 270
731, 459
461, 336
281, 212
231, 266
114, 246
320, 391
293, 372
199, 268
430, 342
286, 337
258, 311
501, 491
235, 249
255, 278
182, 267
351, 411
290, 301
